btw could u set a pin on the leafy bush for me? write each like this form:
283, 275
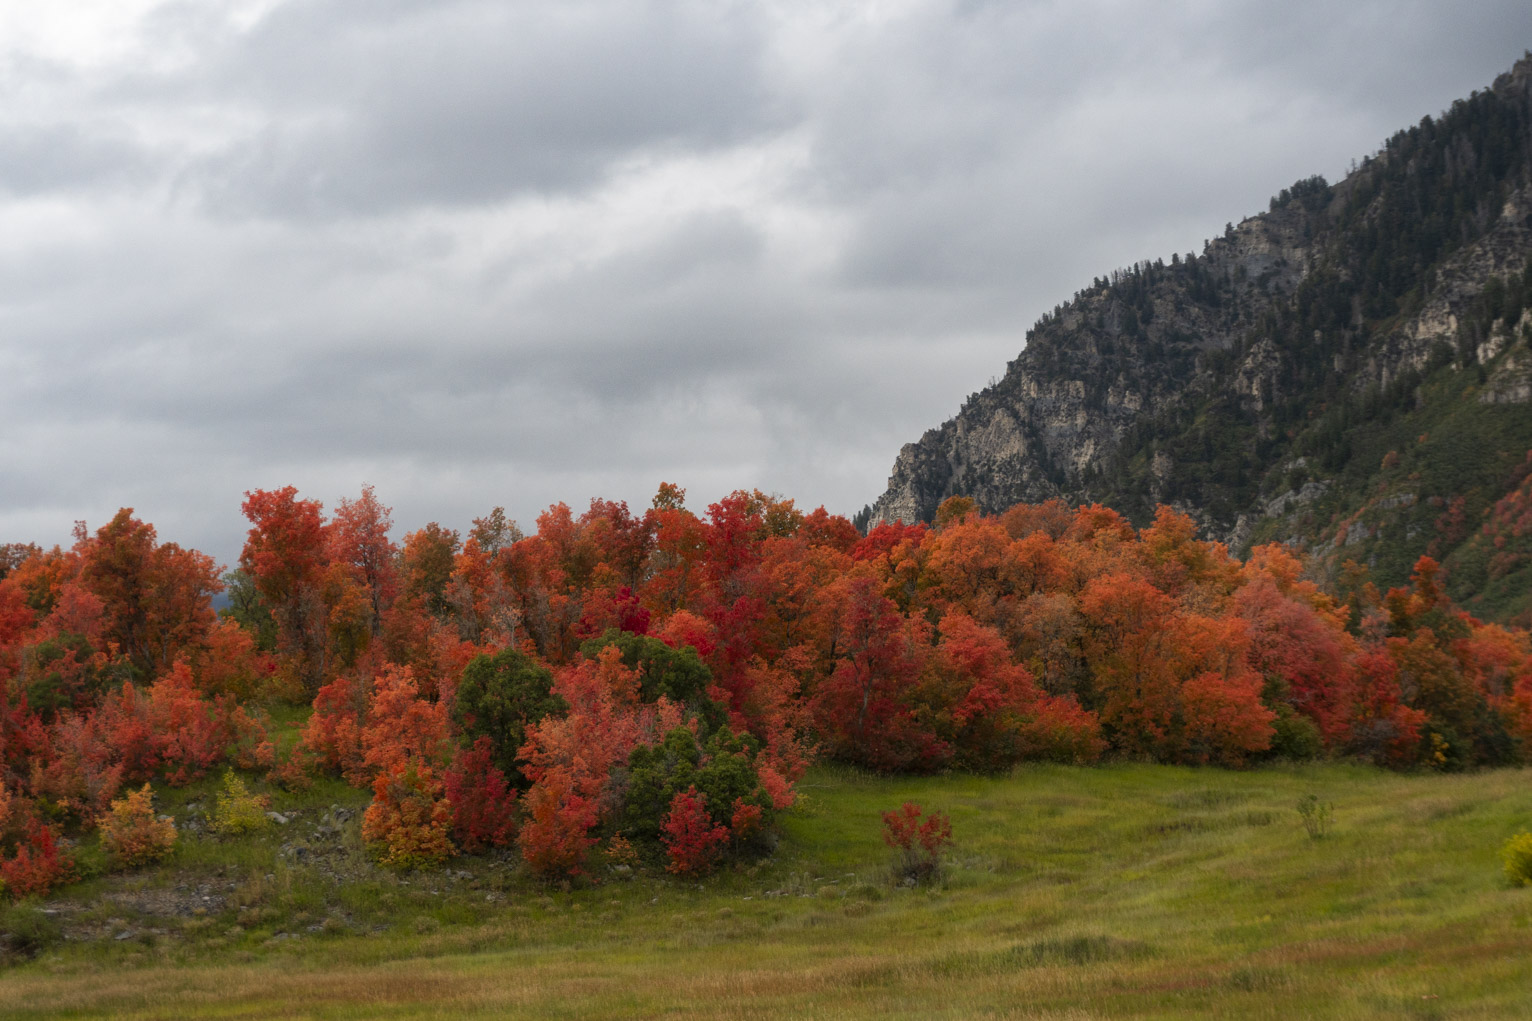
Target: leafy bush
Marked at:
723, 772
1294, 736
26, 931
620, 854
1315, 815
919, 845
1517, 855
409, 818
483, 804
678, 674
691, 839
498, 697
555, 837
38, 865
235, 809
130, 832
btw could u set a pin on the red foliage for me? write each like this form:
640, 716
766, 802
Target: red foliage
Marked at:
483, 804
691, 840
124, 727
1293, 642
16, 617
357, 536
1042, 633
604, 724
401, 725
228, 662
187, 734
1225, 721
904, 830
862, 709
409, 818
38, 864
746, 820
684, 628
882, 539
1136, 658
821, 528
333, 734
918, 844
1383, 728
555, 836
989, 709
285, 556
74, 769
156, 599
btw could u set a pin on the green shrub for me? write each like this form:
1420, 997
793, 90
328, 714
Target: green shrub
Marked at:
1517, 855
1294, 737
235, 809
26, 931
722, 770
498, 697
677, 674
1315, 815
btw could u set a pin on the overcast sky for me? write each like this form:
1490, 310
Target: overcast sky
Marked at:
510, 253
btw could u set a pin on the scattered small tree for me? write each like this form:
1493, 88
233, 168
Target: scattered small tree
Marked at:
919, 844
1315, 815
235, 809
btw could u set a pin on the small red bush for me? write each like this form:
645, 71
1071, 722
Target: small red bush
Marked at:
38, 864
691, 840
483, 803
918, 844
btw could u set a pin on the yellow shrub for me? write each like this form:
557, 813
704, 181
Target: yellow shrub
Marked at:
1517, 855
235, 809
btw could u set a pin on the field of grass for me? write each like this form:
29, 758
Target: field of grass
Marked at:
1122, 891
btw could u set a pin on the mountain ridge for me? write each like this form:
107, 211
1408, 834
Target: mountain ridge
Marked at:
1247, 386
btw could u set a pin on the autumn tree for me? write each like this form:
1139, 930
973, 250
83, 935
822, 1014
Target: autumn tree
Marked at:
426, 565
285, 555
156, 598
357, 536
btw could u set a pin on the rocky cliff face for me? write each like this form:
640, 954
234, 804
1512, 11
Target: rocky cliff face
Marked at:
1243, 384
1125, 346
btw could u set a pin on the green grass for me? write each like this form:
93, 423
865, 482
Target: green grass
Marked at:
1119, 891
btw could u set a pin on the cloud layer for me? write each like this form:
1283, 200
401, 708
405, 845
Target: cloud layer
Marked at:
485, 254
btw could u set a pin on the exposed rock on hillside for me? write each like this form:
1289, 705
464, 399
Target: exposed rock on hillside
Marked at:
1262, 385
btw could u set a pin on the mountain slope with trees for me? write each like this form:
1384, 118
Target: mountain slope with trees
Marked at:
1350, 370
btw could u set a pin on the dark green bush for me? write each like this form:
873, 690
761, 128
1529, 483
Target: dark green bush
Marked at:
27, 931
498, 697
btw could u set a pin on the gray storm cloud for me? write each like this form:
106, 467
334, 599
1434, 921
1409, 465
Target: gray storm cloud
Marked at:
483, 253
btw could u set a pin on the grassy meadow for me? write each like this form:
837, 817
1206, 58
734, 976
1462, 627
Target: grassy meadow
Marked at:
1123, 891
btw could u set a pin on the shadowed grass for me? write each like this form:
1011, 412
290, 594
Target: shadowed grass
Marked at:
1121, 891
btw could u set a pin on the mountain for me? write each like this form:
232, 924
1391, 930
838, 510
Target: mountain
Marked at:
1350, 371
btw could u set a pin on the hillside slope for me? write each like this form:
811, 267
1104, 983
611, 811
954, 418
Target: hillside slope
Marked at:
1351, 370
